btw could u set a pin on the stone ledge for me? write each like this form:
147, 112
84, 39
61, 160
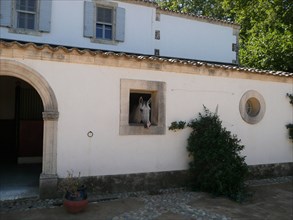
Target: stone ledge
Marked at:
136, 182
263, 171
156, 181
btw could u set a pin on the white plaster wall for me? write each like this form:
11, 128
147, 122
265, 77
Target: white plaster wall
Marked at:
182, 38
195, 40
88, 100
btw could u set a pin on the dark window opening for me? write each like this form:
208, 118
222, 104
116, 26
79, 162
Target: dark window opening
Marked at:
157, 52
133, 103
252, 107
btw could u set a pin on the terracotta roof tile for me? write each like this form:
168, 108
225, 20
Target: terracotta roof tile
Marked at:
144, 57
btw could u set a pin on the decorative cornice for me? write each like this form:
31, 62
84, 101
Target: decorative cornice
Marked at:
120, 59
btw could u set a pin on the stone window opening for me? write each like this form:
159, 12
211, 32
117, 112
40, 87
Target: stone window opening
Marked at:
158, 16
131, 92
134, 98
252, 107
157, 52
157, 35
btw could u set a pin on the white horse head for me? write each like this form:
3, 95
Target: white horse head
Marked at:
144, 108
141, 113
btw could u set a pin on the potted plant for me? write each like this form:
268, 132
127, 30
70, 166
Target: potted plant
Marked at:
75, 193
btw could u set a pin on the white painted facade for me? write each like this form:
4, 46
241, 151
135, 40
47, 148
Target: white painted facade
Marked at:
88, 99
81, 91
181, 36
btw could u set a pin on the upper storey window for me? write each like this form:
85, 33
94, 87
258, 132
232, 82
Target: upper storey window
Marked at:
104, 22
26, 16
26, 12
104, 25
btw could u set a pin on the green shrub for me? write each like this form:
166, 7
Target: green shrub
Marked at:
290, 129
216, 165
177, 125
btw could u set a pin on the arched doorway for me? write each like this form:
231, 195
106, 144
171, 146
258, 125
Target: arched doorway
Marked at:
21, 138
48, 177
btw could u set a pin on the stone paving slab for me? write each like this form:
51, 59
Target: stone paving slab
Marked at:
270, 201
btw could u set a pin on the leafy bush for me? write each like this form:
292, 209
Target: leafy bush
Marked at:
177, 125
290, 128
216, 167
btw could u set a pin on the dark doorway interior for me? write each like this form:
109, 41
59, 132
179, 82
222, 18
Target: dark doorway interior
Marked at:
21, 134
19, 181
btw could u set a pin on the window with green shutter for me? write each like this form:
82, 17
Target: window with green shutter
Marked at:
104, 22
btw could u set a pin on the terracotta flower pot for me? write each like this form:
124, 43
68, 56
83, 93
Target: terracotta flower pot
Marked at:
75, 206
75, 202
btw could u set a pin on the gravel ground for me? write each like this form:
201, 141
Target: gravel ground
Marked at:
170, 200
156, 205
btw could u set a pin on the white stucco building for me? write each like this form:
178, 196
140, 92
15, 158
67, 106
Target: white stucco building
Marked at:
82, 70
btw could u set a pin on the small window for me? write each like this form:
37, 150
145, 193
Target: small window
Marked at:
252, 107
142, 107
26, 12
158, 16
157, 35
234, 47
157, 52
104, 23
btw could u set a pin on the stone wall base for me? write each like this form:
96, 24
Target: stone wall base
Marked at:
135, 182
48, 186
159, 180
264, 171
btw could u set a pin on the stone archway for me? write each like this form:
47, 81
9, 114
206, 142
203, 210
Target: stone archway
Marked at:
48, 178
